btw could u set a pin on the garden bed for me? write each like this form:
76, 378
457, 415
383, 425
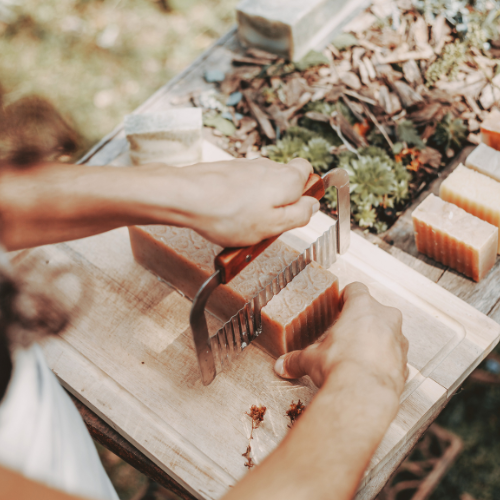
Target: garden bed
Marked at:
391, 100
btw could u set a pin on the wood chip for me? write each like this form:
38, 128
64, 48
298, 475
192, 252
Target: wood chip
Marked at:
357, 54
430, 156
304, 99
250, 141
247, 125
474, 139
400, 56
237, 59
280, 117
350, 79
261, 54
420, 34
473, 125
406, 94
426, 114
363, 73
360, 97
317, 117
412, 72
348, 131
259, 115
294, 89
369, 66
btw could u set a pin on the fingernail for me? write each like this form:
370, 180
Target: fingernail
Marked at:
315, 207
278, 366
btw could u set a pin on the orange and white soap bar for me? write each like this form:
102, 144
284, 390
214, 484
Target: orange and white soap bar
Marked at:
454, 237
475, 193
485, 160
490, 130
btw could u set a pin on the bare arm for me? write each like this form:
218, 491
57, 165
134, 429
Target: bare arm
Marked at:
231, 203
15, 486
361, 369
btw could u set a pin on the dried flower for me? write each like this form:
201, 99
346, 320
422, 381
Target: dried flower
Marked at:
295, 411
249, 463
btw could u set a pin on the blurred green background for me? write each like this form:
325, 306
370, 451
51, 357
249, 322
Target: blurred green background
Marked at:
97, 60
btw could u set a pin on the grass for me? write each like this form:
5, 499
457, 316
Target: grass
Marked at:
97, 60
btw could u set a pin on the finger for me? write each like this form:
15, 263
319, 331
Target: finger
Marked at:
303, 167
351, 292
292, 216
292, 181
292, 365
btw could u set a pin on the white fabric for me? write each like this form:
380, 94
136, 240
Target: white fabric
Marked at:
42, 435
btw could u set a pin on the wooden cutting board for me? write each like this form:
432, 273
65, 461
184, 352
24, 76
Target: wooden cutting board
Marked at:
129, 356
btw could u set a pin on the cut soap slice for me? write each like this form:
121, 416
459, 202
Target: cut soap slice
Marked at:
454, 237
485, 160
475, 193
172, 137
296, 316
490, 130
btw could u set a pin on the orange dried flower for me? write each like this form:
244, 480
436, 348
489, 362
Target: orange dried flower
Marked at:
295, 411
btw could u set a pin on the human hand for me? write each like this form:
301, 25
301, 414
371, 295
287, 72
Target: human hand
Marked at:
240, 202
367, 334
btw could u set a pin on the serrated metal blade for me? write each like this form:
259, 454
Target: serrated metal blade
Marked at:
246, 325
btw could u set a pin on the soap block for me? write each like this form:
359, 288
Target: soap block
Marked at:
285, 27
173, 137
293, 319
454, 237
490, 130
475, 193
485, 160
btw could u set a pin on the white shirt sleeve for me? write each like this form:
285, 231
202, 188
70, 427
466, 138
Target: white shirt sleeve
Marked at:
42, 435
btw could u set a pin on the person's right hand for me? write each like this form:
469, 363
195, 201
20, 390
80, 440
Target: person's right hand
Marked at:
232, 203
367, 334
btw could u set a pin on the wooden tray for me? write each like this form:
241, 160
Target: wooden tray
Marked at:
128, 355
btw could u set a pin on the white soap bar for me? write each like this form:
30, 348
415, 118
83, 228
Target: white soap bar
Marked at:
288, 28
485, 160
454, 237
173, 137
474, 192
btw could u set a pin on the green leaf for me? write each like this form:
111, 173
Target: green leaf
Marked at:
397, 148
221, 124
450, 133
311, 59
286, 149
407, 132
344, 41
317, 152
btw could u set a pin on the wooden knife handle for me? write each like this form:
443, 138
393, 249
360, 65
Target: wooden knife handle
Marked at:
232, 261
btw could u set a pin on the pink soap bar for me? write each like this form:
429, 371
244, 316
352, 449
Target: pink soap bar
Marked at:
454, 237
294, 318
474, 192
490, 130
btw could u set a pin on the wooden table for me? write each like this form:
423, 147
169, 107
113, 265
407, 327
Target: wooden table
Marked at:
120, 286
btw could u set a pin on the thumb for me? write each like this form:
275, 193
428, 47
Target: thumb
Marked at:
295, 215
290, 365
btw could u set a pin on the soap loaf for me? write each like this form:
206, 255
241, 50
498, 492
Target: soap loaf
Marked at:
454, 237
490, 130
485, 160
173, 137
291, 320
474, 192
285, 27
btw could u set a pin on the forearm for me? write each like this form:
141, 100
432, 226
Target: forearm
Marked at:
54, 202
327, 451
16, 486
